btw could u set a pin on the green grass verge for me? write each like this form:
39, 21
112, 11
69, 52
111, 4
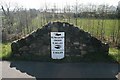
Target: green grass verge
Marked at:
5, 51
115, 53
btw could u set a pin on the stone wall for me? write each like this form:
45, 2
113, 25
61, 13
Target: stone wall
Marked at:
77, 41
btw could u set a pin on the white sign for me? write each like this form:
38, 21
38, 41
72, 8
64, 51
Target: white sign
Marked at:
57, 45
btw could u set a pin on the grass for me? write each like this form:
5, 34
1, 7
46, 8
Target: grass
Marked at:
115, 53
5, 52
94, 26
114, 56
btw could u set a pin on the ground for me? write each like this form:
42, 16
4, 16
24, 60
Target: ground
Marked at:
20, 69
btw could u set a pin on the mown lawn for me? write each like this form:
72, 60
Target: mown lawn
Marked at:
94, 26
114, 55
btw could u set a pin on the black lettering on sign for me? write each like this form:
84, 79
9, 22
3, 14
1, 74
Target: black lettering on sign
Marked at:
57, 34
57, 52
57, 40
57, 46
57, 37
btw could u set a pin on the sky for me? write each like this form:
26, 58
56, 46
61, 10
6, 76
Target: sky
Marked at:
59, 3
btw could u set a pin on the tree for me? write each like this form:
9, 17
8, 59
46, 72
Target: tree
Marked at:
76, 13
118, 32
7, 21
